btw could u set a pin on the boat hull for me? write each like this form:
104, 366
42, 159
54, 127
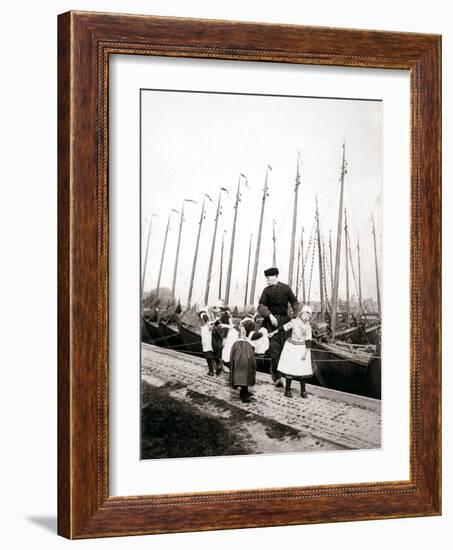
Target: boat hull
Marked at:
360, 334
336, 370
191, 338
172, 337
373, 334
151, 333
354, 335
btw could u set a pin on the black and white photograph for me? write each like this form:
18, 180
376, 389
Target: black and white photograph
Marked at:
228, 224
261, 228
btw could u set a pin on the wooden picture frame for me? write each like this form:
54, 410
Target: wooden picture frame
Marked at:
85, 42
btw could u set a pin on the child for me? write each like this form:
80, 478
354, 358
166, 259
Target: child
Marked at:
210, 344
295, 360
260, 345
242, 361
229, 334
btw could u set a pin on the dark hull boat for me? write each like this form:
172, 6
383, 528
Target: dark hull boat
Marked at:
152, 332
354, 335
171, 336
145, 333
191, 338
373, 334
349, 368
360, 334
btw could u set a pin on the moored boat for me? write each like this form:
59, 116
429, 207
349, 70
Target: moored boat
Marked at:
348, 367
171, 335
373, 333
145, 336
360, 334
153, 332
191, 337
351, 334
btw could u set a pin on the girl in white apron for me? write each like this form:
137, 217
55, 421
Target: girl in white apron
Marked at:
230, 335
295, 359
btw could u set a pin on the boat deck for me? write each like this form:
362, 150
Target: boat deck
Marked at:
329, 418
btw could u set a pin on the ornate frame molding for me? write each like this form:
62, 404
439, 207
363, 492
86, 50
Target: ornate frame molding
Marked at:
86, 40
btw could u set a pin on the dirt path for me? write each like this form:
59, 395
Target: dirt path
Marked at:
271, 423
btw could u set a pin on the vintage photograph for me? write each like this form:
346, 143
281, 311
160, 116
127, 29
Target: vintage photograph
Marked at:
261, 266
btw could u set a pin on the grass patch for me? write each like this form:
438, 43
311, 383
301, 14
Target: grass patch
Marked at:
273, 429
171, 428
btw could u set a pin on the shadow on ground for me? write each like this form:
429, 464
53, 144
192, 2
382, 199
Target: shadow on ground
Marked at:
49, 523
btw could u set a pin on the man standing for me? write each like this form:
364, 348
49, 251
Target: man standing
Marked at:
273, 306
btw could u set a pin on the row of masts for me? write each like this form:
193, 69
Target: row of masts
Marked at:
300, 281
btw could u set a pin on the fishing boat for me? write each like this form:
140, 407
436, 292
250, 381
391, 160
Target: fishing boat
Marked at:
338, 364
350, 334
352, 368
145, 336
171, 336
360, 334
373, 333
191, 337
152, 332
156, 318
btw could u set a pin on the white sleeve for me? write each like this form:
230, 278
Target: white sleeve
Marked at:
288, 325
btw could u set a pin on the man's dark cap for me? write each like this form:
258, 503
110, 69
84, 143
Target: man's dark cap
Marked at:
271, 272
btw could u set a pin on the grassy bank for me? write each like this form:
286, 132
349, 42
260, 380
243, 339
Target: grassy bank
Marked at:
173, 428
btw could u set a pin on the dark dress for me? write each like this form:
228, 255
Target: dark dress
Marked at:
275, 299
243, 364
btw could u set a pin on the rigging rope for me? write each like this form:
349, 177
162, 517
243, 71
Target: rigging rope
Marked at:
324, 263
348, 244
311, 269
304, 260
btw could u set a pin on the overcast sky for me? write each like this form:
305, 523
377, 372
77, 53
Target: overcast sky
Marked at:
195, 143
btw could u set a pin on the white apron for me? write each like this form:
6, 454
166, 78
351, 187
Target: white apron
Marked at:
231, 337
295, 359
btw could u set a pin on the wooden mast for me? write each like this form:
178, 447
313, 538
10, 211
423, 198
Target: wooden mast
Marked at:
333, 324
298, 270
378, 292
248, 270
211, 258
274, 239
163, 251
145, 263
321, 283
324, 269
347, 265
303, 264
331, 262
293, 232
221, 264
360, 275
258, 241
233, 236
194, 265
175, 271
